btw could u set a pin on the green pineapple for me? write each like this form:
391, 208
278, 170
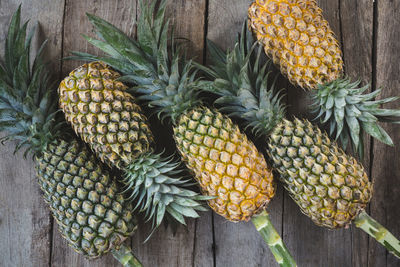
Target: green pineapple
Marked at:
328, 185
226, 164
81, 193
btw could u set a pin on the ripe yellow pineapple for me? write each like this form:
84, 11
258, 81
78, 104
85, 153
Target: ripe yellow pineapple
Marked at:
225, 163
300, 42
298, 39
328, 185
228, 166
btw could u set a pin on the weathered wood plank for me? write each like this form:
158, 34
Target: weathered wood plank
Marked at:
356, 18
188, 20
313, 245
123, 15
164, 248
191, 245
385, 167
120, 13
238, 244
25, 220
203, 251
181, 13
26, 242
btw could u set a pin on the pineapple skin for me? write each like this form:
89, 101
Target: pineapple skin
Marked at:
225, 163
329, 186
104, 115
84, 199
298, 40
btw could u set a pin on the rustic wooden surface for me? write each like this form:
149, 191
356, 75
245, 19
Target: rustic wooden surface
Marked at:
369, 35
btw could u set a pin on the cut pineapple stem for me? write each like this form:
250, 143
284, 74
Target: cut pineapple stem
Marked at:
125, 256
380, 233
264, 226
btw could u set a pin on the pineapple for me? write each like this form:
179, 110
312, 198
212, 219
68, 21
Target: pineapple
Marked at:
299, 40
328, 185
84, 198
106, 117
81, 193
225, 163
227, 166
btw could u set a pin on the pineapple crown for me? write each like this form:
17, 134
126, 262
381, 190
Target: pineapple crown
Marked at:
152, 63
27, 112
149, 182
244, 85
349, 112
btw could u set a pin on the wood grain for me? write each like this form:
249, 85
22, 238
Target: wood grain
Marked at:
238, 244
120, 13
369, 35
191, 245
356, 18
25, 221
188, 18
385, 166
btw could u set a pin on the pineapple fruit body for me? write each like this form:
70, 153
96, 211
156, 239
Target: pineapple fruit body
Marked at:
83, 197
104, 115
226, 164
329, 186
298, 39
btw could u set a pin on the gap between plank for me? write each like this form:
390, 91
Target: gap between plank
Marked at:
59, 77
206, 18
374, 56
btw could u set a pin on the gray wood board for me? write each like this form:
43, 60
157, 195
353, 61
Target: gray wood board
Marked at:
385, 160
25, 221
238, 244
369, 36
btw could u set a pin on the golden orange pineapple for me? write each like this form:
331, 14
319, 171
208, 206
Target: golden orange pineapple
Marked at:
225, 163
298, 39
301, 43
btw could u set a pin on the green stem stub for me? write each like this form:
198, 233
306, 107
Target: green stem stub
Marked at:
125, 256
380, 233
273, 240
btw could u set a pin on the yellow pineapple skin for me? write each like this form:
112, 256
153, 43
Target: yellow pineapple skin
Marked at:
225, 163
104, 115
298, 39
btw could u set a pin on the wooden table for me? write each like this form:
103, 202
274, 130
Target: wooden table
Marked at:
369, 34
